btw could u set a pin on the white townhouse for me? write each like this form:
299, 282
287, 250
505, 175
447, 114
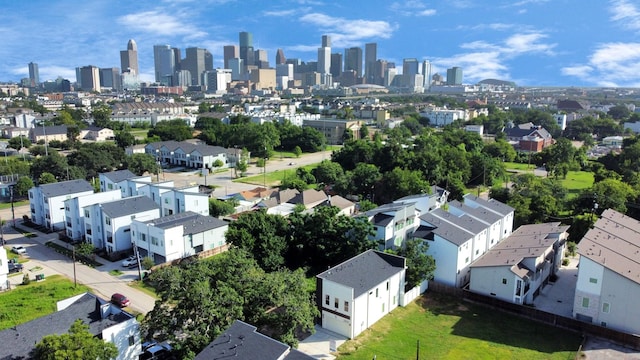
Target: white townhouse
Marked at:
118, 180
478, 229
495, 206
4, 269
47, 201
74, 211
608, 286
519, 266
426, 202
450, 246
105, 320
354, 295
132, 186
393, 223
176, 200
188, 154
177, 236
492, 220
107, 225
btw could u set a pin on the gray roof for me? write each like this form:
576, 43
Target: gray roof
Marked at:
188, 147
363, 272
447, 230
241, 341
128, 206
18, 341
50, 130
614, 243
192, 222
390, 207
465, 221
491, 204
119, 175
65, 188
480, 213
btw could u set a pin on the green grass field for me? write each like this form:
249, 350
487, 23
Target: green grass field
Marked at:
451, 329
15, 204
518, 166
273, 178
577, 181
27, 302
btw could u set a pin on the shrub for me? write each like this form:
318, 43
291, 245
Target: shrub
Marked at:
565, 261
26, 279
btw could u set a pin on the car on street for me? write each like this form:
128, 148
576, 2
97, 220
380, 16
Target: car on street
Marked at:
15, 267
120, 300
156, 351
20, 250
130, 261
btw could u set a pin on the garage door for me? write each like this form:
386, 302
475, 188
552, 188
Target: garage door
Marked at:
336, 324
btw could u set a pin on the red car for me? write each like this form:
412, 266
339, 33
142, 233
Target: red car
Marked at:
120, 300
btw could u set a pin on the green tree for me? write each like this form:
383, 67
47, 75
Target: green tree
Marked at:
219, 208
328, 172
297, 151
175, 129
619, 112
420, 266
102, 115
78, 344
19, 142
147, 263
46, 178
141, 163
401, 182
124, 139
23, 185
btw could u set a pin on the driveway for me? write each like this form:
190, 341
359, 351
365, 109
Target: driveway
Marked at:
321, 344
557, 298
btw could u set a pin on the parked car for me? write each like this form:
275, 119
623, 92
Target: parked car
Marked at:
20, 250
156, 351
120, 300
130, 261
15, 267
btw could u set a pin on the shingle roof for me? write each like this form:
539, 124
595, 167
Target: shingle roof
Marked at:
242, 341
363, 272
614, 243
65, 188
340, 202
192, 222
491, 204
381, 219
18, 341
119, 175
465, 221
446, 230
128, 206
309, 197
50, 130
188, 148
480, 213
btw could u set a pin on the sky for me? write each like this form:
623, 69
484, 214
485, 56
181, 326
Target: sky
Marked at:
583, 43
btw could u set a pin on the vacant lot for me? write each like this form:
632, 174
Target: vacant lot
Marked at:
450, 329
27, 302
576, 181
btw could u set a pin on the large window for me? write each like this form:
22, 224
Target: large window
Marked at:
346, 306
107, 220
605, 307
335, 303
585, 302
326, 300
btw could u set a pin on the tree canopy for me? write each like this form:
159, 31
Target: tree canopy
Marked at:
77, 344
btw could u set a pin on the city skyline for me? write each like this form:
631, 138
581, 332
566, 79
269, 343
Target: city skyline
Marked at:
530, 42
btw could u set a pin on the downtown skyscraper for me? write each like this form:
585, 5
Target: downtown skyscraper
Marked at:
129, 58
370, 58
34, 75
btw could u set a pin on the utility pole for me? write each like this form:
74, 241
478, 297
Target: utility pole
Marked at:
75, 280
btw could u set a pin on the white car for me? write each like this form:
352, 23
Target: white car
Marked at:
20, 250
130, 261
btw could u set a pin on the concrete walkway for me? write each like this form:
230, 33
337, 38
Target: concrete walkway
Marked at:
320, 344
557, 298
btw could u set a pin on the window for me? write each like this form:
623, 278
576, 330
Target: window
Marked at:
143, 237
132, 340
382, 307
346, 306
133, 217
326, 299
166, 200
466, 260
110, 186
585, 302
605, 307
107, 220
335, 303
603, 324
154, 240
376, 292
387, 285
394, 300
504, 281
477, 251
593, 280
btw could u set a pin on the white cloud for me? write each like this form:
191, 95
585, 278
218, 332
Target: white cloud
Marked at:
347, 32
158, 23
476, 65
302, 48
412, 8
611, 64
581, 71
527, 2
529, 42
626, 13
280, 12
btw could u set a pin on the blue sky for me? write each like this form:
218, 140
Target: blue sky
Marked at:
531, 42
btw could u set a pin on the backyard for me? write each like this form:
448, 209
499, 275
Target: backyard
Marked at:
447, 328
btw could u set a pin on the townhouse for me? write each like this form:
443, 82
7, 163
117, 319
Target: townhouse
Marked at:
47, 201
393, 223
74, 211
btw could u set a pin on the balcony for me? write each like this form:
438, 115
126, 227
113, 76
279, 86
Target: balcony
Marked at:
88, 231
69, 224
110, 239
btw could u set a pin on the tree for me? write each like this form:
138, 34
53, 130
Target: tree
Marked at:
219, 208
23, 185
297, 151
619, 112
124, 139
141, 163
19, 142
420, 266
364, 132
102, 115
78, 344
401, 182
328, 172
147, 263
175, 129
46, 178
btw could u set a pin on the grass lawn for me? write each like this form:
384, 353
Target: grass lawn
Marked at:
142, 286
451, 329
518, 166
27, 302
15, 204
577, 181
273, 178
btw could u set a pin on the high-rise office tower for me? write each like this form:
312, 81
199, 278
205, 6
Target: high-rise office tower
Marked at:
336, 65
89, 78
411, 68
110, 78
177, 59
454, 76
379, 71
246, 48
230, 52
353, 60
261, 59
129, 58
34, 74
324, 55
426, 72
164, 63
196, 63
370, 57
236, 65
280, 59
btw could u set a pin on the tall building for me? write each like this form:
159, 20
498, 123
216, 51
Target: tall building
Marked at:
34, 75
454, 76
261, 59
164, 63
197, 61
177, 59
110, 78
410, 72
246, 48
336, 65
217, 80
236, 65
426, 72
370, 57
230, 52
324, 55
89, 78
379, 71
280, 59
129, 58
353, 60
